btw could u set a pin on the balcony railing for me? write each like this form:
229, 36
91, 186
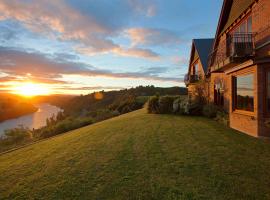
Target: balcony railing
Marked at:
191, 79
237, 47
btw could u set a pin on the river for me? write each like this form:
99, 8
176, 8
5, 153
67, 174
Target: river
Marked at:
34, 120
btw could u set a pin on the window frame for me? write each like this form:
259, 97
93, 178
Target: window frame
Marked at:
266, 109
237, 27
234, 96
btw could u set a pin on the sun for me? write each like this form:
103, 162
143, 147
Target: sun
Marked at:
30, 89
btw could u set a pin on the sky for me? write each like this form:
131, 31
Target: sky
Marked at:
81, 46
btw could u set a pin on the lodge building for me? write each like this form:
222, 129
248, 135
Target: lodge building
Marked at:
235, 65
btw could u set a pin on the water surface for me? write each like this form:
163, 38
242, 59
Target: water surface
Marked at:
33, 120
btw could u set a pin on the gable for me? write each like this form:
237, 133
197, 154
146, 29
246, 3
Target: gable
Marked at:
200, 49
231, 10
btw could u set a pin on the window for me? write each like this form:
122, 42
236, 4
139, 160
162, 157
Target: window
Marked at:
218, 95
195, 69
244, 92
268, 91
249, 25
244, 27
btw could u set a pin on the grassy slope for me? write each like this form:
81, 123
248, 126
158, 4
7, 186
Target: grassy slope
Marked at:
140, 156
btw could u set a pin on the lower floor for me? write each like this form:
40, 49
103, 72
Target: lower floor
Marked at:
244, 92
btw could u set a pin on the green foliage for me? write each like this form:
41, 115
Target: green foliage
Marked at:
57, 127
166, 104
176, 105
17, 135
210, 110
195, 107
123, 100
222, 117
153, 105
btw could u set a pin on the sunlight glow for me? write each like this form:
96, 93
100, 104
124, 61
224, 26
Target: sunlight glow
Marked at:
30, 89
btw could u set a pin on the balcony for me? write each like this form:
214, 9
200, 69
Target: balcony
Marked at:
191, 79
237, 48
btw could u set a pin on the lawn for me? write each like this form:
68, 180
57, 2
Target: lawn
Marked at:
140, 156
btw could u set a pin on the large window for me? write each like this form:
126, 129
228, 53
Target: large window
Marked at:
244, 92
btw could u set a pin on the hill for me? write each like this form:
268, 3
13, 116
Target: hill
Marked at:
12, 106
140, 156
123, 101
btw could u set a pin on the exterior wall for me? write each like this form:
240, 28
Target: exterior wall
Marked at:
263, 117
200, 68
252, 123
243, 121
193, 87
223, 79
260, 12
198, 89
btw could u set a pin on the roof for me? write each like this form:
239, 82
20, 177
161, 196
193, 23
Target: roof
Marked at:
203, 48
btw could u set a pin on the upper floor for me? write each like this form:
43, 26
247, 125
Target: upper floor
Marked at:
243, 33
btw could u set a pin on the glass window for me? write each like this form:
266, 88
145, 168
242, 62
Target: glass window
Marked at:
196, 69
268, 92
249, 24
244, 90
243, 27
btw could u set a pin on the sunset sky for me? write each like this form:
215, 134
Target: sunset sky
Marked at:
80, 46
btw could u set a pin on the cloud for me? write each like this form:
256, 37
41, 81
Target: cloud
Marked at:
58, 20
128, 52
180, 60
147, 8
16, 62
137, 52
96, 88
153, 37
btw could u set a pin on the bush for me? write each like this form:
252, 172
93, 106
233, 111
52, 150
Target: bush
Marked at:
195, 108
166, 104
17, 135
210, 110
177, 105
153, 105
222, 117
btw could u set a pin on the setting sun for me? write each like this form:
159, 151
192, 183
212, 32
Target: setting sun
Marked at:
31, 89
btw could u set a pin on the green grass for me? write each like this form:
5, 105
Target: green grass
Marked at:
140, 156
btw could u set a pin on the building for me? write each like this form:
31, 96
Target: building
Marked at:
198, 66
238, 69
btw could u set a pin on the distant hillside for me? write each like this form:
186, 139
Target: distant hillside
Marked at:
117, 100
12, 106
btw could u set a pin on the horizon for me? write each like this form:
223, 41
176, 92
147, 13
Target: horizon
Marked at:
78, 47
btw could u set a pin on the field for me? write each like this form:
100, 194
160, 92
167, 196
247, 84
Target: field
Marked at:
140, 156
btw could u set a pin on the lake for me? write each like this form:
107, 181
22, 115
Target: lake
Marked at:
34, 120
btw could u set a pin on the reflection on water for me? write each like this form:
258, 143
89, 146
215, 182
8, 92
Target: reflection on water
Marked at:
34, 120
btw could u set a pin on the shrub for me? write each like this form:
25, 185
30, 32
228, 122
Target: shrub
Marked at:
210, 110
195, 108
18, 134
177, 105
222, 117
184, 107
166, 104
153, 105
